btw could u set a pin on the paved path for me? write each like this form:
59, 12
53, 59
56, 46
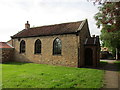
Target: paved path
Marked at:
112, 77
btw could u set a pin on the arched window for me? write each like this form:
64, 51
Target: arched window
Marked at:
57, 46
22, 46
37, 46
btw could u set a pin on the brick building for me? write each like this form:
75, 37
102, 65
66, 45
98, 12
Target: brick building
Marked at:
6, 52
63, 44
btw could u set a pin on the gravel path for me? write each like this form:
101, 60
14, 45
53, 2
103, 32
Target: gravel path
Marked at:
112, 76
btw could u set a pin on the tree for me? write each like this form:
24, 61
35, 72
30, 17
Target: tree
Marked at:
108, 18
112, 41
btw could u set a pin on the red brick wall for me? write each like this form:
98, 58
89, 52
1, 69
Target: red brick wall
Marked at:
7, 55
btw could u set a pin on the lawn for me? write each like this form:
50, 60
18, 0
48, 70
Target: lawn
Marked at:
29, 75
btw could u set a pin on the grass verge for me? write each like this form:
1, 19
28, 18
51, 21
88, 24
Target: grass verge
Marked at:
29, 75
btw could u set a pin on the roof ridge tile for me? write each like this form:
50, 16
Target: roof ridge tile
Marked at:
55, 29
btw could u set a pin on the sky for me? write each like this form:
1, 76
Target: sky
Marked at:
15, 13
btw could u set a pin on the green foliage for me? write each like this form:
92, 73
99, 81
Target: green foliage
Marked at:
108, 18
29, 75
111, 39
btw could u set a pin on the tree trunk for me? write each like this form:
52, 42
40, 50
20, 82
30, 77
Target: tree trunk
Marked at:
116, 54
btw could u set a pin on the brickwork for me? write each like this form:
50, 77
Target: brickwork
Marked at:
84, 33
69, 56
6, 55
73, 48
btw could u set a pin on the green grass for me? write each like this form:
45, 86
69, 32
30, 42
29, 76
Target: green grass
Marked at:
118, 64
105, 62
29, 75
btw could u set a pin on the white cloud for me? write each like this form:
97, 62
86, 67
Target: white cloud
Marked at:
14, 14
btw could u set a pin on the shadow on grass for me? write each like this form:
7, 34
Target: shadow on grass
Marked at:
104, 65
16, 63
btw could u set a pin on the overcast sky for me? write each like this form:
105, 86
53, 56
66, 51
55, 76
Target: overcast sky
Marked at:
15, 13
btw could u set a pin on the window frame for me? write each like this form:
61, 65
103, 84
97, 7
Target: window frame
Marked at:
37, 44
57, 50
22, 46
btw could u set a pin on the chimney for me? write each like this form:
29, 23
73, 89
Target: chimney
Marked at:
93, 35
27, 25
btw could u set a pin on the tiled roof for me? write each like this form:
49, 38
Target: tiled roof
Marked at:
92, 41
5, 45
57, 29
